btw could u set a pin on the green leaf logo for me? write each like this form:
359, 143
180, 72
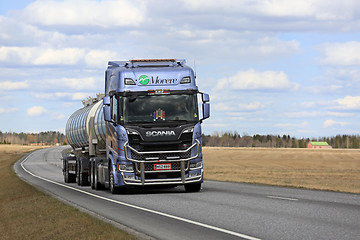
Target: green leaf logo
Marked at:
144, 80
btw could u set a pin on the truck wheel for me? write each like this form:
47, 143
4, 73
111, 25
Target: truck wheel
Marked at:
193, 187
78, 167
71, 177
113, 189
97, 185
81, 178
66, 171
84, 179
92, 174
68, 177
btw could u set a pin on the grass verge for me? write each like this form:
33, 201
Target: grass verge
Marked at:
26, 213
321, 169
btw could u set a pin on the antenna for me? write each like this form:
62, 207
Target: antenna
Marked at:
195, 69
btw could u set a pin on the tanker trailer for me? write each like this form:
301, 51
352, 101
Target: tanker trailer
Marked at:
85, 132
145, 130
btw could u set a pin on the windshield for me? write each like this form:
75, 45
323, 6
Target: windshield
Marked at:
159, 108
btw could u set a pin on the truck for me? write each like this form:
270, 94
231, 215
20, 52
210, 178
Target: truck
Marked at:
145, 130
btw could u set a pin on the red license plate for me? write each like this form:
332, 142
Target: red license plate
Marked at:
162, 166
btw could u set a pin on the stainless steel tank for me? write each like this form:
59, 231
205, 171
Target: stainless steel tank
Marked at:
78, 126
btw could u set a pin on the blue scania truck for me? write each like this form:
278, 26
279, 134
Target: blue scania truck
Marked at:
145, 130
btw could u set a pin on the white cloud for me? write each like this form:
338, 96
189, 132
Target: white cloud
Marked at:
339, 114
313, 114
39, 110
292, 125
347, 103
98, 58
7, 85
324, 89
66, 56
341, 54
57, 116
251, 106
252, 80
302, 114
87, 83
329, 123
41, 56
80, 96
36, 111
63, 96
265, 15
223, 107
276, 8
104, 14
7, 110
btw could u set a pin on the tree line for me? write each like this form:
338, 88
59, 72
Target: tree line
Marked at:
42, 138
223, 139
233, 139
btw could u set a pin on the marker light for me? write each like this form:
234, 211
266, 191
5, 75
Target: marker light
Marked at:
185, 80
129, 81
159, 92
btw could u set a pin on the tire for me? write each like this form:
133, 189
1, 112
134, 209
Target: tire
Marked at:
68, 177
71, 177
78, 167
193, 187
113, 189
82, 178
92, 174
66, 171
97, 185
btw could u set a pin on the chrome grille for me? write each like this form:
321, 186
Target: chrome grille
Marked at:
160, 156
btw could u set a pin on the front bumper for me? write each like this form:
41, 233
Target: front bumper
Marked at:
180, 159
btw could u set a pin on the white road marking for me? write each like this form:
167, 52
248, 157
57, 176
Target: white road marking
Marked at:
140, 208
283, 198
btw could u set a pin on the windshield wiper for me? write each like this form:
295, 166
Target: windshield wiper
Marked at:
130, 122
178, 121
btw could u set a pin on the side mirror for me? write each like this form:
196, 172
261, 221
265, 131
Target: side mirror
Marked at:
205, 97
106, 108
106, 100
206, 110
107, 113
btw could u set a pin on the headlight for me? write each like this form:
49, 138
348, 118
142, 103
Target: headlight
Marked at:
126, 168
130, 131
188, 130
196, 165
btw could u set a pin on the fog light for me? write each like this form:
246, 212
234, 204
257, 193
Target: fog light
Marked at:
130, 177
194, 174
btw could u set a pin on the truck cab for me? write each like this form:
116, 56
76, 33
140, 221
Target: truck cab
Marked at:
153, 124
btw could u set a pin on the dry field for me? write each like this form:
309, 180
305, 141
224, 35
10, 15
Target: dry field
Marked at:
26, 213
323, 169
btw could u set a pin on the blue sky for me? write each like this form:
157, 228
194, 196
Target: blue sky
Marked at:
270, 67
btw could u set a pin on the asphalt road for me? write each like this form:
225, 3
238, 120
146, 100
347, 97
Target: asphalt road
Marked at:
219, 211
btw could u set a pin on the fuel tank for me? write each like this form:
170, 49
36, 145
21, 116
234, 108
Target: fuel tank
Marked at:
78, 126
